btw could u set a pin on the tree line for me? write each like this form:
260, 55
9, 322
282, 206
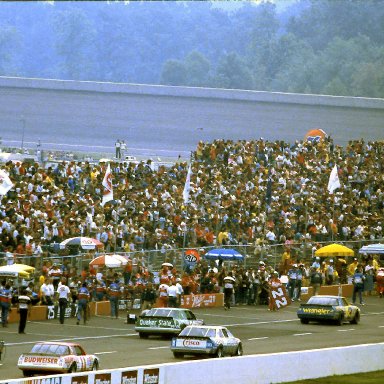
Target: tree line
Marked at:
333, 47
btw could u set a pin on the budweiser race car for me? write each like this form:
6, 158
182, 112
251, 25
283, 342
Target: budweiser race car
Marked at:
54, 357
206, 340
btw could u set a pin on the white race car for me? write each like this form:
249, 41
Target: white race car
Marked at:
54, 357
207, 340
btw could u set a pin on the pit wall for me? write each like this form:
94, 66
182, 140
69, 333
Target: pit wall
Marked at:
253, 369
102, 308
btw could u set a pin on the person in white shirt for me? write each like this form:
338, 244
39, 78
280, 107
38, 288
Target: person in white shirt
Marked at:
173, 293
47, 292
64, 293
180, 291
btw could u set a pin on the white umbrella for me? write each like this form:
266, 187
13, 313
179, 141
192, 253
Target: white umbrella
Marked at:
83, 242
167, 265
229, 278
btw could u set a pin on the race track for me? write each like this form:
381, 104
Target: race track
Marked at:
166, 126
261, 331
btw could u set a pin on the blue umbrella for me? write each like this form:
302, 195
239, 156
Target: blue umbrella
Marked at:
224, 254
372, 249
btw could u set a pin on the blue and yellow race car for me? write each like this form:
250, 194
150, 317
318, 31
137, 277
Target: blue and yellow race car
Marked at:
328, 308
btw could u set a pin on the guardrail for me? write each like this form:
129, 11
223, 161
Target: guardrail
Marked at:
261, 369
153, 258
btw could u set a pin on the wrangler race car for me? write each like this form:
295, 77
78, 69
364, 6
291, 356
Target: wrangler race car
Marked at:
53, 357
206, 340
328, 308
165, 321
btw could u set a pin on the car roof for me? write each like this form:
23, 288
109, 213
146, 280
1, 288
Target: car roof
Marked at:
174, 309
206, 326
58, 343
329, 296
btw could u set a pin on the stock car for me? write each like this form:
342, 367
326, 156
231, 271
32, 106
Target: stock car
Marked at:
206, 340
328, 308
56, 357
165, 321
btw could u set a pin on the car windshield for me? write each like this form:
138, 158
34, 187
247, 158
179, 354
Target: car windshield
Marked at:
323, 300
198, 332
51, 349
164, 312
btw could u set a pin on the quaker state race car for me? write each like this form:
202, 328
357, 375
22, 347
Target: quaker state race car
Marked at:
55, 357
165, 321
206, 340
328, 308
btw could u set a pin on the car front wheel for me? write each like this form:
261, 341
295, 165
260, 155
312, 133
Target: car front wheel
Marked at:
304, 321
356, 318
239, 350
178, 355
220, 352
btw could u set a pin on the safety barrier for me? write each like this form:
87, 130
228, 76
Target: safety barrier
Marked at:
102, 308
260, 369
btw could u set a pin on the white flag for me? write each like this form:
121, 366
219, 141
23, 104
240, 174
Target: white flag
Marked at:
334, 181
107, 184
187, 186
5, 182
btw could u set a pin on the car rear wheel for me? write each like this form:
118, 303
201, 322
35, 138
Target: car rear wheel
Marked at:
95, 366
72, 368
340, 320
220, 352
239, 350
27, 374
178, 355
356, 319
143, 335
304, 321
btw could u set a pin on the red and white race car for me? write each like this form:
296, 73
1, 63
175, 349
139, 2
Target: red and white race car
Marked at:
55, 357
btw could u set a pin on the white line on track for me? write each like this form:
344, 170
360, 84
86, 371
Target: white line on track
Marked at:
259, 322
104, 353
259, 338
302, 334
345, 330
381, 326
73, 338
159, 347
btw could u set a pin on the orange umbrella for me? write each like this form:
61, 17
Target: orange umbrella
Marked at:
315, 135
106, 261
192, 255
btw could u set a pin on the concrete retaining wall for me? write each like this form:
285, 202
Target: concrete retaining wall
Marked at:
211, 93
260, 369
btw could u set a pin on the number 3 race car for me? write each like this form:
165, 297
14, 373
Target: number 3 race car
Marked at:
328, 308
206, 340
53, 357
165, 321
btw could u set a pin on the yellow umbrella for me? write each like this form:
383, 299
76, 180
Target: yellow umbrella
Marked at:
21, 268
334, 250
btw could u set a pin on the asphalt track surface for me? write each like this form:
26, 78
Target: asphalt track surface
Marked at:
261, 331
166, 126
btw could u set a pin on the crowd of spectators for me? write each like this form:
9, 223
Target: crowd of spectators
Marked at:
241, 192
